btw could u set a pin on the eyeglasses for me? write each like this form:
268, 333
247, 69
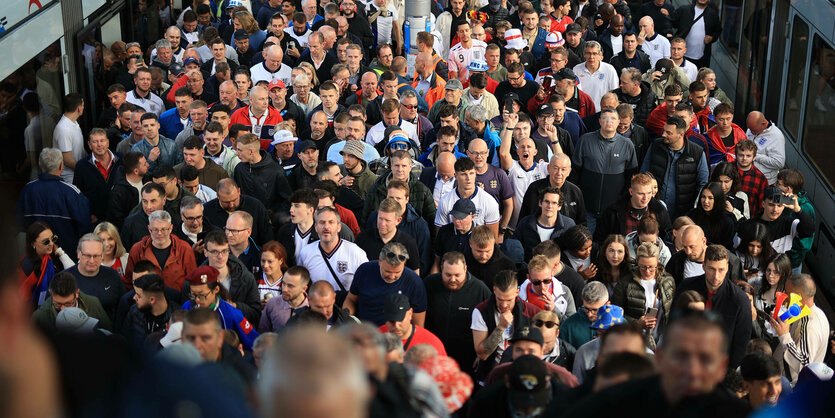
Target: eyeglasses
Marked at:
158, 230
193, 219
58, 305
590, 310
53, 240
479, 154
91, 256
393, 256
515, 78
216, 253
409, 107
397, 146
647, 268
197, 296
233, 231
540, 282
548, 324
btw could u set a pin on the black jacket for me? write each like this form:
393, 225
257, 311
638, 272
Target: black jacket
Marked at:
243, 289
642, 105
527, 234
676, 267
640, 139
122, 199
265, 181
262, 230
733, 305
449, 315
683, 21
613, 219
686, 175
573, 204
619, 61
206, 68
487, 272
135, 328
92, 184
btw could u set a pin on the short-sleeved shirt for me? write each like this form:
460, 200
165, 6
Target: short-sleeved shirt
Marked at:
495, 182
68, 138
596, 84
370, 241
460, 58
344, 260
486, 208
371, 291
521, 179
151, 103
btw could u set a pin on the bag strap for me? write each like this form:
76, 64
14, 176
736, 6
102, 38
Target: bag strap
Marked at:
333, 273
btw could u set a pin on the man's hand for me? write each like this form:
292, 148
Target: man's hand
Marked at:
641, 36
589, 272
347, 181
796, 208
509, 120
505, 319
550, 302
540, 94
551, 131
198, 247
647, 322
154, 154
293, 52
665, 12
780, 327
656, 75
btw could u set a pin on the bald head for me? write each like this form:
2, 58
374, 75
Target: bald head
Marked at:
445, 164
694, 243
398, 65
423, 63
329, 35
647, 25
369, 77
477, 145
756, 122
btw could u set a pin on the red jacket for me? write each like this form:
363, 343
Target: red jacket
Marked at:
273, 118
179, 263
658, 117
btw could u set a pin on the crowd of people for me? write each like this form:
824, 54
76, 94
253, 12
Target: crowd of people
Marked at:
547, 209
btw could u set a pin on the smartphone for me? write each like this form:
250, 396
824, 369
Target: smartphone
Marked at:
782, 200
291, 45
753, 271
200, 236
652, 313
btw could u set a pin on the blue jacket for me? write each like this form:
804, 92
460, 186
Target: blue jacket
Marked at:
169, 154
59, 204
169, 123
573, 123
232, 318
538, 47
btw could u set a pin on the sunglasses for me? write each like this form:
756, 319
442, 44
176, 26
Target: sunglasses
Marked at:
548, 324
391, 256
410, 107
539, 282
397, 146
53, 240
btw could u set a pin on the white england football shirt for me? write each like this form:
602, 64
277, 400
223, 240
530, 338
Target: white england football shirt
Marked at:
486, 208
344, 260
460, 58
521, 179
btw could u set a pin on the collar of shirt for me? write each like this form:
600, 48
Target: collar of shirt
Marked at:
141, 97
99, 163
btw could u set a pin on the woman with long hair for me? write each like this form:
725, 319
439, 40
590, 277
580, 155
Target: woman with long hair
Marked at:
649, 290
613, 262
273, 266
710, 214
579, 250
244, 20
727, 175
311, 73
43, 258
754, 249
115, 256
778, 268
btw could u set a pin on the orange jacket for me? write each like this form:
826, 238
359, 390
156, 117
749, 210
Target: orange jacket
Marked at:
436, 89
179, 263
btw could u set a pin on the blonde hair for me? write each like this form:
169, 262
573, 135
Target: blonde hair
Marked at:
111, 230
247, 22
311, 72
547, 316
539, 263
482, 236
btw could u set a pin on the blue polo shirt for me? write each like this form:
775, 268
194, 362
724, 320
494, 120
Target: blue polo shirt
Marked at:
372, 290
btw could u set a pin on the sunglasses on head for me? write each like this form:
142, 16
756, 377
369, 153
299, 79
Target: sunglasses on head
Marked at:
53, 240
539, 282
548, 324
390, 255
399, 146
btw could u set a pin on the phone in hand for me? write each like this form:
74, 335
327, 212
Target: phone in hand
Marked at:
652, 313
781, 199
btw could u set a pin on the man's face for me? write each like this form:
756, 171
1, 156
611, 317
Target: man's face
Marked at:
229, 201
276, 26
206, 338
446, 143
478, 153
677, 50
492, 57
764, 391
217, 254
300, 212
401, 168
559, 171
450, 121
387, 222
715, 272
593, 56
315, 46
62, 302
573, 39
310, 159
454, 275
213, 140
630, 43
142, 299
89, 257
483, 254
287, 8
354, 129
392, 118
259, 100
323, 305
452, 96
465, 179
152, 202
641, 195
526, 347
744, 159
318, 125
189, 27
691, 362
98, 145
522, 131
409, 108
671, 102
160, 233
530, 20
699, 99
291, 287
353, 56
164, 55
391, 273
558, 62
182, 103
609, 121
195, 83
242, 83
505, 299
478, 33
126, 120
724, 121
193, 217
671, 135
117, 98
401, 328
591, 308
204, 19
457, 6
550, 205
142, 79
329, 98
516, 80
278, 95
624, 123
173, 37
219, 52
390, 88
327, 226
463, 225
237, 232
385, 56
771, 210
628, 87
464, 33
526, 150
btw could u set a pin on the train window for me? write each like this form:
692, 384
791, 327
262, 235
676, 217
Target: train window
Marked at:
30, 107
731, 15
818, 123
754, 51
795, 78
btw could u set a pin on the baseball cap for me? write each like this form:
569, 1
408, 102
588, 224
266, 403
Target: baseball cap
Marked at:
203, 9
173, 335
462, 208
815, 372
176, 69
454, 84
283, 136
608, 316
306, 145
75, 321
528, 334
190, 60
276, 84
573, 28
565, 73
545, 109
395, 307
665, 66
234, 3
241, 34
354, 148
528, 381
202, 275
399, 137
478, 65
512, 96
495, 4
553, 40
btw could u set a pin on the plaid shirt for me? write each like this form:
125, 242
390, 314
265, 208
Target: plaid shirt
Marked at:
753, 183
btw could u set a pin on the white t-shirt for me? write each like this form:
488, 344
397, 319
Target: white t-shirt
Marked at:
544, 232
301, 40
478, 324
378, 132
486, 208
617, 44
692, 269
67, 137
344, 260
383, 23
602, 81
658, 47
521, 179
695, 39
460, 57
301, 240
260, 72
152, 103
689, 69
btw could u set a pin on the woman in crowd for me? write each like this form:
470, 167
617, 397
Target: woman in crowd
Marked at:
648, 231
244, 20
727, 175
754, 249
115, 256
613, 262
43, 259
777, 270
710, 214
302, 96
716, 95
647, 296
273, 265
579, 250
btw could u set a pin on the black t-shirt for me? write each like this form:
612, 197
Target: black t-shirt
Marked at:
106, 286
728, 140
161, 255
369, 240
156, 323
